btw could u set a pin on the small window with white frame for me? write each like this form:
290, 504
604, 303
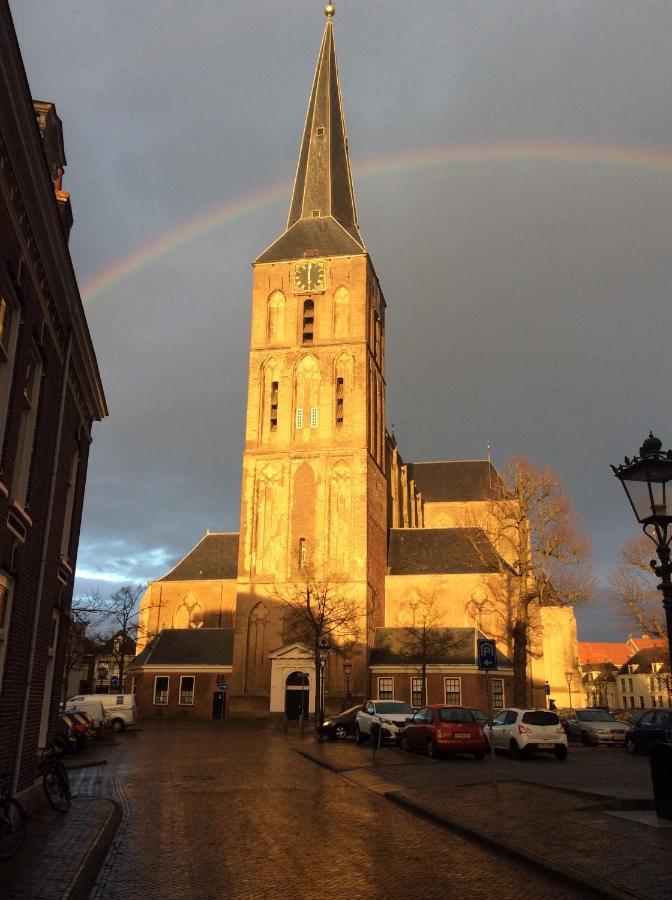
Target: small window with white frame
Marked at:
497, 693
161, 687
386, 688
187, 690
6, 590
314, 417
299, 418
417, 693
453, 691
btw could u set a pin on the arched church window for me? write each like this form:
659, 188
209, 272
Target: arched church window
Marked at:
308, 321
341, 311
274, 406
276, 317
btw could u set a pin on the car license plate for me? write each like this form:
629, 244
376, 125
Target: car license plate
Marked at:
548, 746
462, 734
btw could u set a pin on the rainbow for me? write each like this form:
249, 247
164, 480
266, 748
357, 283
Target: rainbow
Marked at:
427, 158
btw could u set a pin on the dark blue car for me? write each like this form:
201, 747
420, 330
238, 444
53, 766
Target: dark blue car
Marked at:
655, 727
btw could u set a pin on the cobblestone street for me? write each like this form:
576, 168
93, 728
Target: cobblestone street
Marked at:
235, 812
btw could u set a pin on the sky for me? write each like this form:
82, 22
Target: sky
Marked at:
512, 163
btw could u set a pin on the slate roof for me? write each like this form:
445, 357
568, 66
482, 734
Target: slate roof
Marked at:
643, 661
215, 557
457, 480
189, 647
323, 179
390, 647
441, 551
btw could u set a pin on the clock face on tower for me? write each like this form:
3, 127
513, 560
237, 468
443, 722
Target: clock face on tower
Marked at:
309, 276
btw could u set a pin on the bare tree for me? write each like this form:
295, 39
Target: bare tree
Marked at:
85, 610
634, 586
541, 551
424, 640
122, 615
319, 611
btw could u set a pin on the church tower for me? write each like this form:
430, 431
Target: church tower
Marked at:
313, 481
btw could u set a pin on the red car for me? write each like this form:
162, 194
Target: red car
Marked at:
439, 729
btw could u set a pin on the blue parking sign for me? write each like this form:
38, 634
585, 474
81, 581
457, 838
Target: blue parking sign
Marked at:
487, 654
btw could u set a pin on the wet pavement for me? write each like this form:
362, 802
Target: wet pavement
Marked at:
236, 812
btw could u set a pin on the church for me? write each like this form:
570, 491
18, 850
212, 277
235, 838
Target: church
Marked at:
328, 500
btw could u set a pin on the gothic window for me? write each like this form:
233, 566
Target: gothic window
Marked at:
266, 509
307, 393
343, 375
308, 321
340, 534
276, 317
341, 312
339, 402
274, 406
257, 640
302, 553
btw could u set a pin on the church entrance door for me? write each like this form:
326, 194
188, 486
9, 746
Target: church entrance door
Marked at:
297, 695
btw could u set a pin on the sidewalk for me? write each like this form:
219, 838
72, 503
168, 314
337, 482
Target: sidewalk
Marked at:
62, 852
574, 835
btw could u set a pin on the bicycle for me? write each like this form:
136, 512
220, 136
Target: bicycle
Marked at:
12, 825
55, 779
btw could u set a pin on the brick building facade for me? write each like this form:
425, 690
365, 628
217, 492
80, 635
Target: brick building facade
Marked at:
50, 394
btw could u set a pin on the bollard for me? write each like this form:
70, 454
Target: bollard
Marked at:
376, 737
661, 775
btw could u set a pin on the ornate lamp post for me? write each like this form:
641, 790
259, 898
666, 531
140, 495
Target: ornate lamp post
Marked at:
347, 671
645, 479
569, 676
323, 654
102, 675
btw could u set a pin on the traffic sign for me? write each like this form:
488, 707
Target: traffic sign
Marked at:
114, 682
487, 654
222, 685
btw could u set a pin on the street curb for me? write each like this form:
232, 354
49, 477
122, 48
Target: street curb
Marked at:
84, 878
597, 889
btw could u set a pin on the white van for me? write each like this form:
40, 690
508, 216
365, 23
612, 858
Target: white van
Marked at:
118, 709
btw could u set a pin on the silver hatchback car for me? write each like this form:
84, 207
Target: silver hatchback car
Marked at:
595, 726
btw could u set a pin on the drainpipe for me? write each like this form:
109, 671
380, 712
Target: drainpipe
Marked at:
43, 565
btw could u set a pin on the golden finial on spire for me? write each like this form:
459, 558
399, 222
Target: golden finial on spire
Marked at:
329, 10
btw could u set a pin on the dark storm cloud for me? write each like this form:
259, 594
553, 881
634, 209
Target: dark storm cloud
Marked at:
528, 301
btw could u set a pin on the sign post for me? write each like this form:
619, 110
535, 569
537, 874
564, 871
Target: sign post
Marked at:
486, 652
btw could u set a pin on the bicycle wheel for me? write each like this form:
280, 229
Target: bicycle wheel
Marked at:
12, 827
56, 788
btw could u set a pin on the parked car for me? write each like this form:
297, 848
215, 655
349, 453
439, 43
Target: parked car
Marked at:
595, 726
439, 729
480, 717
629, 716
523, 731
654, 727
119, 710
340, 726
391, 715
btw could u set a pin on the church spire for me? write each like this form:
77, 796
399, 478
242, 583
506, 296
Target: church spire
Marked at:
322, 213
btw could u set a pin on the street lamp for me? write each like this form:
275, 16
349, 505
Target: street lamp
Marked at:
645, 479
323, 654
347, 671
102, 675
569, 676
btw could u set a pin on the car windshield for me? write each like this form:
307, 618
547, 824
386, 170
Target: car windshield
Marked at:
594, 715
540, 717
453, 714
391, 707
